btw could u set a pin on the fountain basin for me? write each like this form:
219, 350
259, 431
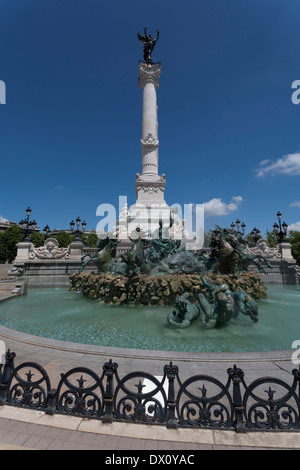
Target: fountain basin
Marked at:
57, 313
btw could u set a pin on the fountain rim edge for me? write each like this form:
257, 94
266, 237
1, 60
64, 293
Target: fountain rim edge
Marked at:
182, 356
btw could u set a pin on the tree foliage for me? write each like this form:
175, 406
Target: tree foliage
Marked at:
249, 238
64, 239
37, 238
92, 240
294, 240
272, 238
8, 242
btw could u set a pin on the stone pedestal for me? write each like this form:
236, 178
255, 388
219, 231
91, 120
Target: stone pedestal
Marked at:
48, 265
51, 272
24, 249
285, 250
76, 250
283, 265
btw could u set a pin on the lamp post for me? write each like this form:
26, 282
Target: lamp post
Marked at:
46, 231
27, 226
255, 235
237, 225
77, 232
280, 229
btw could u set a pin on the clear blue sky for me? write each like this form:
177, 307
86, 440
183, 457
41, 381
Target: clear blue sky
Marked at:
71, 126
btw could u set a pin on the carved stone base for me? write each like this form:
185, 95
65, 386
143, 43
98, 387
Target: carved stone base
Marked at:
150, 189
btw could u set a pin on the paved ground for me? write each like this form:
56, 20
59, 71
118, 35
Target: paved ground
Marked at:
30, 430
27, 429
22, 435
6, 287
4, 268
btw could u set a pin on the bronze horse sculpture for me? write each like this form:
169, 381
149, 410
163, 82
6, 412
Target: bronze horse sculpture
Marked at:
227, 255
103, 256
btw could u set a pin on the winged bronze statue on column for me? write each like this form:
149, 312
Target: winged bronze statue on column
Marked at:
148, 43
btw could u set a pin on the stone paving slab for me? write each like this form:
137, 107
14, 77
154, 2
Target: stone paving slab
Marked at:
17, 434
4, 268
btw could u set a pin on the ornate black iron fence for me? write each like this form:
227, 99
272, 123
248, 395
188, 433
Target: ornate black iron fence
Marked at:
201, 401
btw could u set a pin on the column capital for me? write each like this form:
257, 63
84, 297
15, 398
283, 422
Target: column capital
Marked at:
149, 73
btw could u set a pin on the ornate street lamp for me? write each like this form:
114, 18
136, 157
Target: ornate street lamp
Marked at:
280, 229
77, 232
255, 234
46, 231
27, 226
237, 225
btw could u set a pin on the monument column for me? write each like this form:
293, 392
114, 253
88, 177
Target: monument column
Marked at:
148, 80
150, 214
149, 184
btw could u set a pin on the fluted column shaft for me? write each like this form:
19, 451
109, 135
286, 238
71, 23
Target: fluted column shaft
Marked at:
148, 80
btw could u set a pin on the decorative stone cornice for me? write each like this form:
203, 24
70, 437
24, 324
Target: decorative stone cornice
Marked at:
158, 179
150, 188
149, 73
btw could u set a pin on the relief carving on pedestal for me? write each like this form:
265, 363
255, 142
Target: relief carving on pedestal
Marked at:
262, 248
50, 250
152, 189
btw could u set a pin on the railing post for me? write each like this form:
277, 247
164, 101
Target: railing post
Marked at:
51, 402
171, 372
6, 375
296, 373
109, 370
237, 376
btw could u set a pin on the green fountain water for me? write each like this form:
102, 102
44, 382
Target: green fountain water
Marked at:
68, 316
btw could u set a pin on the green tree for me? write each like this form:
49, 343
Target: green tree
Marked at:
83, 238
37, 239
2, 251
249, 238
8, 242
64, 239
272, 238
92, 240
294, 240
